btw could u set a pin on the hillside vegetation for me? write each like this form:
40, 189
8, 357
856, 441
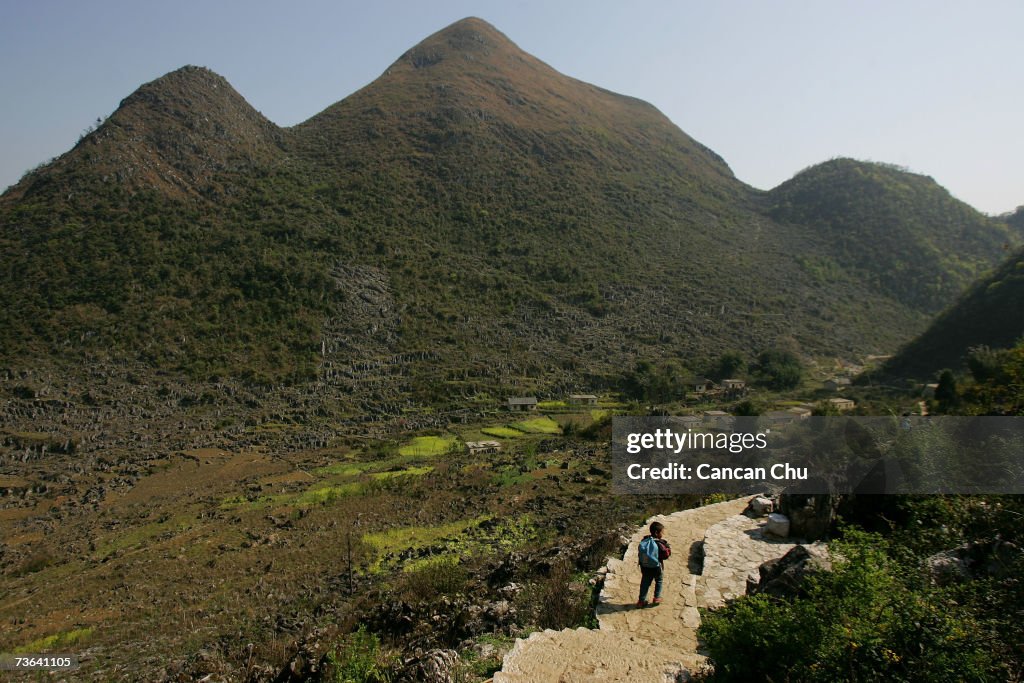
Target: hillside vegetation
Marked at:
471, 221
900, 231
990, 314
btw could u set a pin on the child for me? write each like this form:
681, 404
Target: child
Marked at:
653, 552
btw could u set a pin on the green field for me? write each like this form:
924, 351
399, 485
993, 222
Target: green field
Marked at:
430, 445
502, 432
539, 425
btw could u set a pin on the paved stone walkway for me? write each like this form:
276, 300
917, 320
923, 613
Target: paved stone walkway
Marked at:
656, 644
734, 549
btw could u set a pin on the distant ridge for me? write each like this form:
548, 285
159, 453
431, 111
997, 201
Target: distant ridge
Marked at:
901, 229
990, 313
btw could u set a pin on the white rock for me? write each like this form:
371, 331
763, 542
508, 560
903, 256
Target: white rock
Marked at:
778, 525
762, 506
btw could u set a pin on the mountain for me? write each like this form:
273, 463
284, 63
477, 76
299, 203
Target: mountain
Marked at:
173, 135
1016, 220
900, 230
471, 222
990, 313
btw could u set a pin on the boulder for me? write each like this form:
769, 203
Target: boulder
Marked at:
436, 666
947, 567
810, 515
778, 525
785, 576
759, 507
995, 559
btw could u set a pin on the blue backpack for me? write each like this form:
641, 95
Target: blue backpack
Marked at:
648, 552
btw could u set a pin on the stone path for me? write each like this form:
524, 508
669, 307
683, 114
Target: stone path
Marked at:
655, 644
734, 549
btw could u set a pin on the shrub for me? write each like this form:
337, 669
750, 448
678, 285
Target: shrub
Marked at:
778, 369
359, 658
558, 600
429, 578
869, 620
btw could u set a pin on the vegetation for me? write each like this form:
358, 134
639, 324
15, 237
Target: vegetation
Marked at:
430, 446
881, 614
429, 244
898, 229
729, 365
778, 369
359, 658
989, 314
874, 617
538, 425
656, 383
55, 642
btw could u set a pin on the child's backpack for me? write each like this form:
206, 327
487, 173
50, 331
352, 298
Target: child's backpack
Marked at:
649, 552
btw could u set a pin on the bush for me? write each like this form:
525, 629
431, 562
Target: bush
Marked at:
779, 370
360, 659
869, 620
559, 600
442, 575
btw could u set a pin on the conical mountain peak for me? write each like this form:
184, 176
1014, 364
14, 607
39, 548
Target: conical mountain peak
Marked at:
179, 131
469, 86
470, 39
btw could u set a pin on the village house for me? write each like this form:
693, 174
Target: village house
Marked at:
697, 385
734, 387
842, 404
481, 447
683, 422
582, 399
779, 418
718, 419
522, 403
801, 412
837, 383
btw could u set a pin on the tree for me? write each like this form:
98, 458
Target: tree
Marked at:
727, 366
946, 394
778, 369
658, 384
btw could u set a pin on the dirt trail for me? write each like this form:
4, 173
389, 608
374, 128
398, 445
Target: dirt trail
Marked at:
655, 644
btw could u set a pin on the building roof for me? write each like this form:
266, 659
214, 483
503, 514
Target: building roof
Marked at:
478, 445
522, 400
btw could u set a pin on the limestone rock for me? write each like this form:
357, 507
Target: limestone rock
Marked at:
778, 525
436, 666
760, 506
973, 561
810, 515
785, 576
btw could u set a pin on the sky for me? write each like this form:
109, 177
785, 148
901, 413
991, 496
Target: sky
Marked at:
773, 87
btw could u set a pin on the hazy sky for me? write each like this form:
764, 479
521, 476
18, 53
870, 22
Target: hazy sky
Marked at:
772, 86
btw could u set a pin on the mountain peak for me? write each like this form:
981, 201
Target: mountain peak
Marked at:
470, 38
178, 134
180, 130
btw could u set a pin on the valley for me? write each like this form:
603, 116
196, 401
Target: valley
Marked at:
260, 386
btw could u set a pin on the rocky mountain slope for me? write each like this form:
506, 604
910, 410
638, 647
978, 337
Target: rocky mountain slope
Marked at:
899, 230
471, 222
990, 313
